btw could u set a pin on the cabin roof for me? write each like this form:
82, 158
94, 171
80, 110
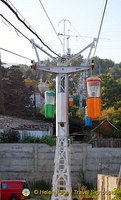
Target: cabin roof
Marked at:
106, 120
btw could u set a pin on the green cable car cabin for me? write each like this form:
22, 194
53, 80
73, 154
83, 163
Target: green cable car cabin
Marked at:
49, 104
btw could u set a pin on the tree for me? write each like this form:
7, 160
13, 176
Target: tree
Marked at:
77, 61
117, 194
102, 66
110, 91
115, 71
32, 83
2, 109
16, 94
10, 137
76, 120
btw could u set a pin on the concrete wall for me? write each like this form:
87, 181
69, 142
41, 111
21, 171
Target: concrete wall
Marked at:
36, 161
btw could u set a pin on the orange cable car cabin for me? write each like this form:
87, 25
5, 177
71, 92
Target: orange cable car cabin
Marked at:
93, 86
70, 100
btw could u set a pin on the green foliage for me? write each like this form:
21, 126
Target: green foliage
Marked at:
51, 78
115, 71
40, 185
51, 141
10, 137
86, 184
110, 134
112, 115
29, 139
102, 66
2, 108
77, 61
32, 83
16, 94
110, 91
117, 194
75, 120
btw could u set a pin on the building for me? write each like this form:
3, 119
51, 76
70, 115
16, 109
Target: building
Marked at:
37, 100
43, 86
26, 127
102, 136
103, 126
38, 97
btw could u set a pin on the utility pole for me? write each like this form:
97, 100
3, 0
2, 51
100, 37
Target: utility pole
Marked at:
64, 34
19, 93
61, 184
34, 102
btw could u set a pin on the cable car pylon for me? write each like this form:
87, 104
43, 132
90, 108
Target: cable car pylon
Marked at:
61, 184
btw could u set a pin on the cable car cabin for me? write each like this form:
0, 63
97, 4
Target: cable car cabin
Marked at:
49, 104
75, 95
93, 86
70, 100
88, 121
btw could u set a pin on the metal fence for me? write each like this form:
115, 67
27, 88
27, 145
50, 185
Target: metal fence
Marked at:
106, 142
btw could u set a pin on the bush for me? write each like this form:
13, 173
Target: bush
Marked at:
46, 140
10, 137
110, 134
117, 194
40, 185
29, 139
49, 140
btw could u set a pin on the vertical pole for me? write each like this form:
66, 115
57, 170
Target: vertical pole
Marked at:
0, 185
61, 178
64, 37
34, 103
80, 91
64, 30
19, 114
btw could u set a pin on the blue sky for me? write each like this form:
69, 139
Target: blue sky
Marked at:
85, 17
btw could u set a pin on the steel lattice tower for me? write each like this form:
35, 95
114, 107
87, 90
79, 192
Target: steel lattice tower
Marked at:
61, 185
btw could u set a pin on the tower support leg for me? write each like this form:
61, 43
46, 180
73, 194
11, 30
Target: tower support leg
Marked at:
61, 178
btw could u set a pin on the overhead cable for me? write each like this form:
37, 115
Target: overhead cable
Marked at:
50, 22
28, 26
15, 54
14, 27
31, 41
100, 27
79, 34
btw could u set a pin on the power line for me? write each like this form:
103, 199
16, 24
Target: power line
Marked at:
15, 54
79, 34
28, 26
25, 36
100, 27
14, 27
50, 22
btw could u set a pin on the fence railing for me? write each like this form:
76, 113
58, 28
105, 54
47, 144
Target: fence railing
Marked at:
106, 142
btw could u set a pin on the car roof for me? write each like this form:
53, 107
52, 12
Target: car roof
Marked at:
13, 181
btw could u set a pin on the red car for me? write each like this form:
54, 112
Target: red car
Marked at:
14, 190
